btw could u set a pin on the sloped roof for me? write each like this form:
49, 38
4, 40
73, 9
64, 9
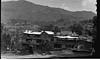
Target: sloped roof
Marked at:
30, 32
36, 32
49, 32
65, 37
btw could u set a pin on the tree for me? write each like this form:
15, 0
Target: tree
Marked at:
48, 27
2, 26
76, 28
88, 26
94, 27
5, 39
56, 29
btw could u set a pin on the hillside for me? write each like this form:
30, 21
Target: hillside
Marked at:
25, 11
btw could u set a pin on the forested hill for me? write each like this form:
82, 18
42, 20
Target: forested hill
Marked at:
20, 11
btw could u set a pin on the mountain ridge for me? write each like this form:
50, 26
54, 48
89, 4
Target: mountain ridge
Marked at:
32, 12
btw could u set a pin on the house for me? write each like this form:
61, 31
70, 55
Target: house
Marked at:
70, 42
37, 40
44, 40
64, 42
42, 35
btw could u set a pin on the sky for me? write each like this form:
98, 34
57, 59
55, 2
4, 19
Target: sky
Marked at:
72, 5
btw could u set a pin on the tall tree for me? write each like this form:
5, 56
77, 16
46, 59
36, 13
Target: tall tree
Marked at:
76, 28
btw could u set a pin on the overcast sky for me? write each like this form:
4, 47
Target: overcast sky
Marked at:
72, 5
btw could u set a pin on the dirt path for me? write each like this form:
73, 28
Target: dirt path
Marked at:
11, 56
67, 53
